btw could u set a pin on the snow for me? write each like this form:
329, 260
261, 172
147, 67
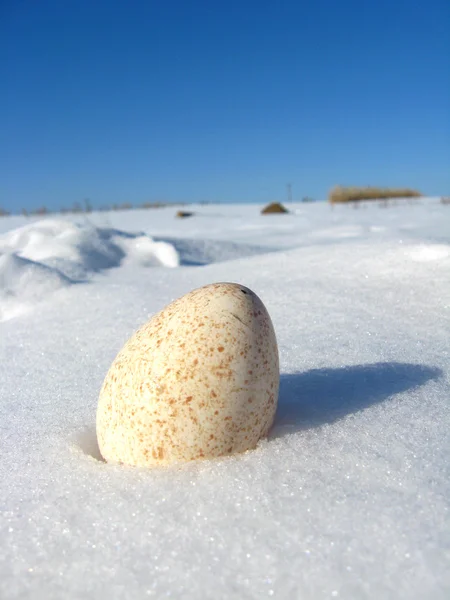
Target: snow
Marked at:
49, 254
349, 496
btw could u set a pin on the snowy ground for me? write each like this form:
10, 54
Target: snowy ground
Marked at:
348, 498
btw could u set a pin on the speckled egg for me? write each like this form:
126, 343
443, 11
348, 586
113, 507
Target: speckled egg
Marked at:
199, 380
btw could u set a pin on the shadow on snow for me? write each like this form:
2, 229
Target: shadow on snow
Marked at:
321, 396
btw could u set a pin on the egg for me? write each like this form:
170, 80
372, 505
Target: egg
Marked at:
199, 380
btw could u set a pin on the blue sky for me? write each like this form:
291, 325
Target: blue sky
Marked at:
181, 100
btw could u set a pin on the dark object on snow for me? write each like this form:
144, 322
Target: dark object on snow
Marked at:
274, 208
181, 214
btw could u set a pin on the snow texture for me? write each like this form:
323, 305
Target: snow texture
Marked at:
44, 256
349, 496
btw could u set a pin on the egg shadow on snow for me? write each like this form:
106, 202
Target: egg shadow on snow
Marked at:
86, 441
322, 396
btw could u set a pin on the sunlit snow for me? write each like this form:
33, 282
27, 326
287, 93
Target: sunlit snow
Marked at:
349, 495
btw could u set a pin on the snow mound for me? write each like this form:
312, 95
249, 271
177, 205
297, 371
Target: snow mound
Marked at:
84, 247
147, 252
24, 282
39, 258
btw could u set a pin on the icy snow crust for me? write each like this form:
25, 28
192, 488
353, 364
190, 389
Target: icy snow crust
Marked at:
349, 496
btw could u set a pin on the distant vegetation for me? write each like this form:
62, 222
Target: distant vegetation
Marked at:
338, 195
86, 207
274, 208
355, 194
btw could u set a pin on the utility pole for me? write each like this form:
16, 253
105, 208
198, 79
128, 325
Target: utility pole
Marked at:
289, 192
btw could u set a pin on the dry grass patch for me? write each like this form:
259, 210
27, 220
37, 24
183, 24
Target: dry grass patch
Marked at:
354, 194
273, 209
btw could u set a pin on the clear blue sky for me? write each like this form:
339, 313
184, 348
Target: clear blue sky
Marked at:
181, 100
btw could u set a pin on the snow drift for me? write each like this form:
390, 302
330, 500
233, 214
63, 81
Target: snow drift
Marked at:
47, 255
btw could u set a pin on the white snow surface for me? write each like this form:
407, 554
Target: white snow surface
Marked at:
349, 495
45, 255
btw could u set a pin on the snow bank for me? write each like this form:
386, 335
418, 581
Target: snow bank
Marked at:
24, 282
42, 257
